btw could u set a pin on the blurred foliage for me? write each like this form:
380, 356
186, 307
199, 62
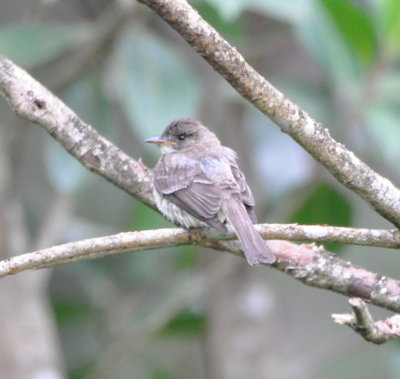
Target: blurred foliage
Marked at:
285, 10
69, 313
184, 324
388, 16
389, 136
326, 206
151, 93
355, 27
161, 373
338, 59
226, 27
33, 44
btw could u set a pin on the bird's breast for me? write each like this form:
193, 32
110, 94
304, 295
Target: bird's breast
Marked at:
175, 214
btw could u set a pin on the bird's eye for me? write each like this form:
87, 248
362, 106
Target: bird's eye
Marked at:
181, 137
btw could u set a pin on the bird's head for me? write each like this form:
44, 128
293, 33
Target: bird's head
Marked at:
183, 134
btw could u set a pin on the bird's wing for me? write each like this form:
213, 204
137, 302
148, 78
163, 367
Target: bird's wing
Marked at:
245, 193
182, 181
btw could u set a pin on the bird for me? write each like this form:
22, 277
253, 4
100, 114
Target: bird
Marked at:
198, 182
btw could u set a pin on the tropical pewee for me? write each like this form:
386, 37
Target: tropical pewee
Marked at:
198, 182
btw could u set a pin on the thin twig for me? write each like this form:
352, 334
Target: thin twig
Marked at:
361, 321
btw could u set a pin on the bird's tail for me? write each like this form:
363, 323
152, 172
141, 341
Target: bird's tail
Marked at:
254, 247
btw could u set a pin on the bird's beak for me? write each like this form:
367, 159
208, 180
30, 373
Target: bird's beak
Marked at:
155, 140
159, 141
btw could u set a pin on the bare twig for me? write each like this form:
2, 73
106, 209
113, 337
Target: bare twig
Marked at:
362, 323
225, 59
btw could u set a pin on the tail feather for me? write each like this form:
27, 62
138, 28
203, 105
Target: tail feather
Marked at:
254, 247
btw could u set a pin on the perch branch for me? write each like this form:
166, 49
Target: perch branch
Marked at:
307, 263
152, 239
311, 135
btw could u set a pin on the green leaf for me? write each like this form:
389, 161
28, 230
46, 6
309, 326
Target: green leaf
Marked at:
389, 12
355, 27
229, 9
143, 217
81, 372
153, 84
161, 373
185, 323
321, 37
325, 206
230, 28
31, 45
186, 257
285, 10
68, 313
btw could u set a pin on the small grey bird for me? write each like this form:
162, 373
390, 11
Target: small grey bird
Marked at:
198, 182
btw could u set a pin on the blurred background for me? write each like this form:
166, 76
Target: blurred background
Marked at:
187, 312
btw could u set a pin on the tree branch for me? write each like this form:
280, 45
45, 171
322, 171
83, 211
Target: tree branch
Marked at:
362, 323
311, 135
152, 239
336, 234
34, 102
310, 264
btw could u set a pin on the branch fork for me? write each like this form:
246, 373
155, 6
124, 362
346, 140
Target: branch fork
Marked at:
361, 321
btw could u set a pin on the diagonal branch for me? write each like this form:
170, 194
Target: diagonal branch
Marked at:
32, 101
225, 59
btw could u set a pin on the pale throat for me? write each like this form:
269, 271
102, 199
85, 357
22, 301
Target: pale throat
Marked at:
165, 149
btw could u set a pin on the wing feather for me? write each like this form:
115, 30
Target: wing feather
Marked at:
245, 193
182, 181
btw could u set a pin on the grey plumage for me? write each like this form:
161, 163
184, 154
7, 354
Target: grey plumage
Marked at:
198, 182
